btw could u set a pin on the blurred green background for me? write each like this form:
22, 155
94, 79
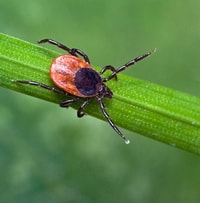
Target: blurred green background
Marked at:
48, 155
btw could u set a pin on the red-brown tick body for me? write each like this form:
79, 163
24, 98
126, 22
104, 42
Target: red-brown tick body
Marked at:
75, 76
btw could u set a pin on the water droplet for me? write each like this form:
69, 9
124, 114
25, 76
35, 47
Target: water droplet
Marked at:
127, 141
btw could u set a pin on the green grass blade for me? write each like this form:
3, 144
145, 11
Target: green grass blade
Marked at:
139, 106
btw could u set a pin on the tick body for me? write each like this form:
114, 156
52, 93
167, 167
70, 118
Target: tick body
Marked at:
74, 76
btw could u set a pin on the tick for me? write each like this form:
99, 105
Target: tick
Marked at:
74, 76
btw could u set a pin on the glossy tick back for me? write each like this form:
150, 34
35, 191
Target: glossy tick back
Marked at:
75, 76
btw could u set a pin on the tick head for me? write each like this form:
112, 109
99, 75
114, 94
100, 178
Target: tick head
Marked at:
105, 92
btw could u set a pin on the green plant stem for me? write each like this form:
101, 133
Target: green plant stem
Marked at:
139, 106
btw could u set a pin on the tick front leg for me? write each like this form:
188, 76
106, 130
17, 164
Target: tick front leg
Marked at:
126, 65
105, 68
103, 109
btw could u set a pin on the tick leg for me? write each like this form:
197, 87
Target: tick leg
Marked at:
101, 104
108, 67
80, 110
126, 65
66, 103
58, 44
73, 51
41, 85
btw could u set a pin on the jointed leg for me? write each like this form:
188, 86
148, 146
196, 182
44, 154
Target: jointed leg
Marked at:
110, 121
41, 85
66, 104
126, 65
80, 110
108, 67
73, 51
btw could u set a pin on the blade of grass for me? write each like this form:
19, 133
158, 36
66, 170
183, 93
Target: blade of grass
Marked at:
161, 113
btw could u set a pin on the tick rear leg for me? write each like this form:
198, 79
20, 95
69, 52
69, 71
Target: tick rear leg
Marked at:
73, 51
41, 85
